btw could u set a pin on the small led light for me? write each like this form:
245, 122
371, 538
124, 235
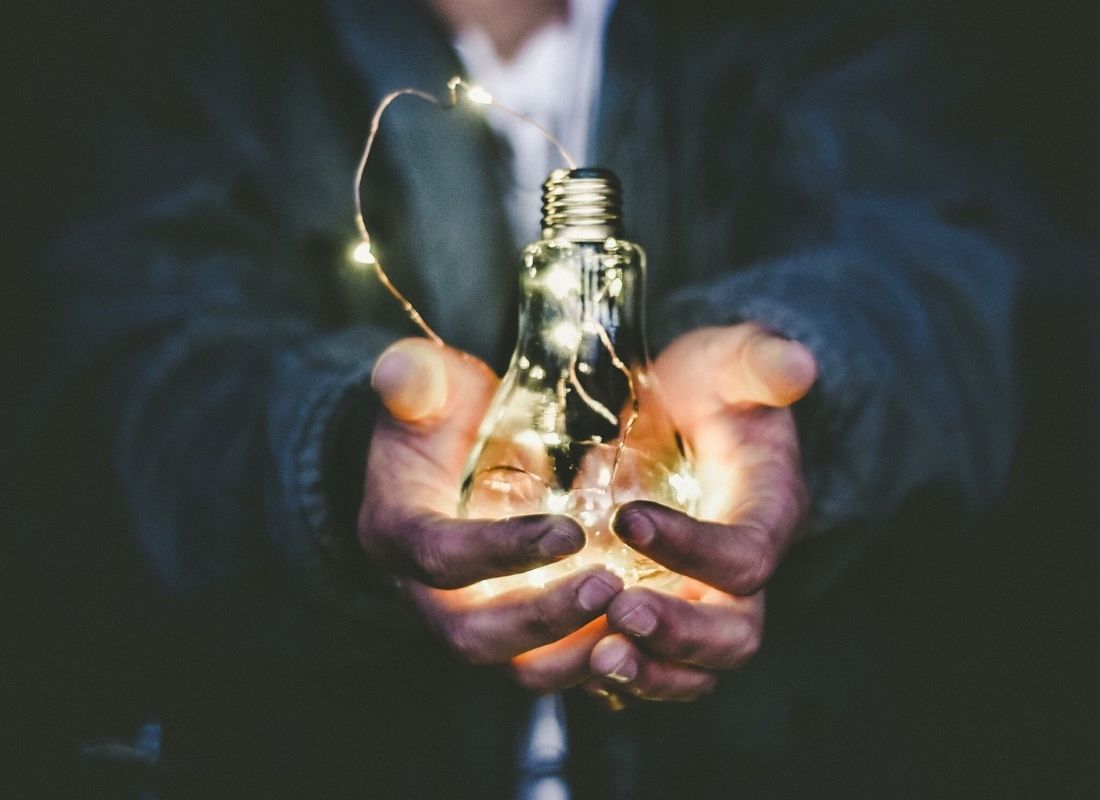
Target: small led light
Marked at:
537, 372
528, 440
498, 485
479, 96
685, 487
562, 282
603, 480
361, 254
536, 578
566, 335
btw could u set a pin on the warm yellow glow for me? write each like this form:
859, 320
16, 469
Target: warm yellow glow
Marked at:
603, 480
685, 487
561, 282
557, 502
479, 95
528, 440
361, 254
566, 335
498, 485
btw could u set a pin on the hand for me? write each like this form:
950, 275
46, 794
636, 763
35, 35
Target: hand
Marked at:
728, 390
434, 399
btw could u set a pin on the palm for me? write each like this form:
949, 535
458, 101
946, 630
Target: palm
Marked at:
728, 390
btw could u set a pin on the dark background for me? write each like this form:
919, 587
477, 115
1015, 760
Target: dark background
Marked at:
994, 639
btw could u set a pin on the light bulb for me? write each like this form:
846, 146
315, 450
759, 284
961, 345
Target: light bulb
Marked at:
577, 426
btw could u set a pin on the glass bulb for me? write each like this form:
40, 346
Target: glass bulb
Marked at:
577, 426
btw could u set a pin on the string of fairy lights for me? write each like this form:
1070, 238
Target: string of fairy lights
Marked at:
363, 253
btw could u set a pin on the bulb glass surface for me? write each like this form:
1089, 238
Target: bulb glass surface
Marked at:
577, 426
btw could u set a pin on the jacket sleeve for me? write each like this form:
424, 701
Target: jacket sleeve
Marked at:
861, 228
199, 334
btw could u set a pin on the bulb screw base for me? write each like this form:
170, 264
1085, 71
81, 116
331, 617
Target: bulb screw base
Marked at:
582, 205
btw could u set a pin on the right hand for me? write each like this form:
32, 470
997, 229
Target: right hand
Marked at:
433, 400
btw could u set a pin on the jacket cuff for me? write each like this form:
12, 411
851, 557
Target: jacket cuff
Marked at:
319, 429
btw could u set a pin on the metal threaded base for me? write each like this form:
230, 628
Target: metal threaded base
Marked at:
582, 205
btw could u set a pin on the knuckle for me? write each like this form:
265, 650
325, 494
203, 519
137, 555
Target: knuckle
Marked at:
546, 621
431, 562
367, 534
533, 679
465, 642
758, 565
650, 690
678, 644
751, 642
706, 686
744, 645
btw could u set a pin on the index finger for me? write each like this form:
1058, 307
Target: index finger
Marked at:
449, 553
736, 558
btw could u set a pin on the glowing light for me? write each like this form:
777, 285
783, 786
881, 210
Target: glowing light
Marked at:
536, 578
615, 287
498, 485
604, 478
561, 282
552, 439
361, 254
537, 372
479, 96
524, 362
685, 487
528, 440
566, 335
557, 502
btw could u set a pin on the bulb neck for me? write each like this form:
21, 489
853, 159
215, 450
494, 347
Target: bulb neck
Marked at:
576, 299
582, 205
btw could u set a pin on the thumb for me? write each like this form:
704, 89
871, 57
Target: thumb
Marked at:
410, 378
763, 368
740, 364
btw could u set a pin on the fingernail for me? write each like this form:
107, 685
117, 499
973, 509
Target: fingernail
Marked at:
596, 592
390, 370
635, 527
787, 367
614, 702
803, 363
639, 621
615, 661
560, 540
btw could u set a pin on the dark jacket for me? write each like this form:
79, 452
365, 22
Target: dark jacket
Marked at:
213, 339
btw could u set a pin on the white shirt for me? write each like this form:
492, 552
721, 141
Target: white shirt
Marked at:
555, 79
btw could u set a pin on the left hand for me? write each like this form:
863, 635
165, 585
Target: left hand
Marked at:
729, 391
433, 399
